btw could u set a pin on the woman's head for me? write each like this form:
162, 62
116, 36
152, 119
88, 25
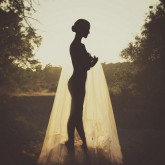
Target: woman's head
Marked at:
81, 27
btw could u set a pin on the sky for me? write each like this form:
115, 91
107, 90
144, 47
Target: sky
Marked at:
114, 23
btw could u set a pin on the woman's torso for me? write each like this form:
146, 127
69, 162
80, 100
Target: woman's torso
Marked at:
79, 59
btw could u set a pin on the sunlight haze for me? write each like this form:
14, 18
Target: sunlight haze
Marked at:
114, 23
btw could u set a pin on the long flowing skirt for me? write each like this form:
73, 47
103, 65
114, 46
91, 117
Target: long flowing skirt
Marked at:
99, 125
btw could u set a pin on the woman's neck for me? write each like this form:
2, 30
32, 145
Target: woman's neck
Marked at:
78, 38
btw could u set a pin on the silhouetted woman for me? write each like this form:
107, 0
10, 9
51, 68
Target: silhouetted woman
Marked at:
82, 61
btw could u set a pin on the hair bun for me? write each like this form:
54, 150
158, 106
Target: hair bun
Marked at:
73, 28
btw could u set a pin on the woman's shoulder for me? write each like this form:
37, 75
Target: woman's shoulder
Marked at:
77, 46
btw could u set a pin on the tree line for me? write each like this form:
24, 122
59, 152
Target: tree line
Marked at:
119, 78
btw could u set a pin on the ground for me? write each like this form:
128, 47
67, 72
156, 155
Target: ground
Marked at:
24, 119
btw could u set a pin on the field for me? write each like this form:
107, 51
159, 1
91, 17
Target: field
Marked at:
23, 122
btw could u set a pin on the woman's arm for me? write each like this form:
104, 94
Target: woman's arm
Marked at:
89, 60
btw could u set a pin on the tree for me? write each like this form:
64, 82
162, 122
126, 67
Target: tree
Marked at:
18, 39
149, 47
148, 53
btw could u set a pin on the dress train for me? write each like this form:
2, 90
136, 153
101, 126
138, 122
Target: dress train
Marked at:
99, 125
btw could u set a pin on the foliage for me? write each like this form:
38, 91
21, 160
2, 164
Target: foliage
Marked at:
149, 47
40, 80
18, 39
120, 77
148, 54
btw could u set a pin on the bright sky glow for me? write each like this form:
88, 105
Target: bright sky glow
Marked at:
114, 23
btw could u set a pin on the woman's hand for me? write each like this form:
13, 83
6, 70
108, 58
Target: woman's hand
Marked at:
94, 61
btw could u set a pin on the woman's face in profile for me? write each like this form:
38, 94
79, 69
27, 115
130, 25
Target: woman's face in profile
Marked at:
86, 31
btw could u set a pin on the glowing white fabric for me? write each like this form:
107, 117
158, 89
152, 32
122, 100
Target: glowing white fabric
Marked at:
99, 125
